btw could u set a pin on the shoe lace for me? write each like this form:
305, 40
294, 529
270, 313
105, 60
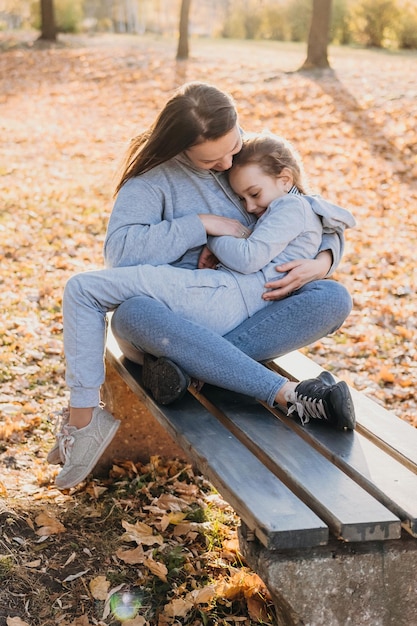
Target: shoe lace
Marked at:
66, 441
306, 407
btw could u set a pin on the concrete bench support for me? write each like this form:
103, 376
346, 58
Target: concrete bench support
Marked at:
339, 584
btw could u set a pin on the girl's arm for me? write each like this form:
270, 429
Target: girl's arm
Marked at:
283, 222
217, 226
300, 271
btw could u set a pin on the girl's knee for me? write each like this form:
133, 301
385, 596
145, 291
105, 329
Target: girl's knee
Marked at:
75, 287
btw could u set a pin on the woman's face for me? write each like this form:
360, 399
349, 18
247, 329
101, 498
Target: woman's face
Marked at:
217, 154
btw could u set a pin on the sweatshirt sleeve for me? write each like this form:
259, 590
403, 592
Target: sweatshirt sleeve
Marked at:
335, 220
138, 231
280, 224
335, 243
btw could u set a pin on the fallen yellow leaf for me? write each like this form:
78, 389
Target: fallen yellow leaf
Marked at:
15, 621
172, 518
178, 607
141, 533
169, 502
203, 595
406, 382
257, 609
386, 375
407, 333
99, 587
132, 557
241, 583
158, 569
231, 545
49, 525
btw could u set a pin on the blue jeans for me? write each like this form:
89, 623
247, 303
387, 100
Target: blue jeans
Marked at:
234, 361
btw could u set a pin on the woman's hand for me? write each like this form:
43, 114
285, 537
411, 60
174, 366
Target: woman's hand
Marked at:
207, 260
216, 225
299, 273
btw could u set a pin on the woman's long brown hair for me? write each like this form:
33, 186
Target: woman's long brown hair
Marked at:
197, 112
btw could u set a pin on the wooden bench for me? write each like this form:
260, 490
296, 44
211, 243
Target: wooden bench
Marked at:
328, 518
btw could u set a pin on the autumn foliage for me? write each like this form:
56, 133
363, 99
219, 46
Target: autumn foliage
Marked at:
66, 116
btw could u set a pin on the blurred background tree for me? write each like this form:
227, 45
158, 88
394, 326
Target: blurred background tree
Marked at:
318, 36
380, 23
183, 47
48, 26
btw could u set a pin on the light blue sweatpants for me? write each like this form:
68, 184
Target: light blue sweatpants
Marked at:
209, 298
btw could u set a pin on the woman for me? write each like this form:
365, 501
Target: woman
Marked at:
168, 202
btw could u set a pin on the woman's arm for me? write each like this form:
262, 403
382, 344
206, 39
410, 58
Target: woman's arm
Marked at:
303, 271
139, 231
143, 228
299, 273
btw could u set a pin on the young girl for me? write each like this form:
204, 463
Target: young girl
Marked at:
266, 175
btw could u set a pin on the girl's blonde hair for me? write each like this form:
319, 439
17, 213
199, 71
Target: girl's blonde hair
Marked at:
197, 112
272, 154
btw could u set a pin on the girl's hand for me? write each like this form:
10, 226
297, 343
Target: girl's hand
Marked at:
216, 225
299, 273
207, 260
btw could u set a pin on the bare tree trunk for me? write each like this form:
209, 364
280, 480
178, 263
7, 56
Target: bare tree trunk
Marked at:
182, 51
318, 37
48, 26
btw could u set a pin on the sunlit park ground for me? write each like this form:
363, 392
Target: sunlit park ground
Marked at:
67, 113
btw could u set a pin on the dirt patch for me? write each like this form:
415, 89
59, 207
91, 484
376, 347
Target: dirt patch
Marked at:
153, 542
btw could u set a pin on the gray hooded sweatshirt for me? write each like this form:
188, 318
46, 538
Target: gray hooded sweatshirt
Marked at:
155, 216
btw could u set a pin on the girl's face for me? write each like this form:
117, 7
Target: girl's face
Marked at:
257, 189
217, 154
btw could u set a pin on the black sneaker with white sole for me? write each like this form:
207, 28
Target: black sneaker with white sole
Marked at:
164, 379
324, 399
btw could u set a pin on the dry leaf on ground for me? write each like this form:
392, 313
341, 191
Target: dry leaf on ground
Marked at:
49, 525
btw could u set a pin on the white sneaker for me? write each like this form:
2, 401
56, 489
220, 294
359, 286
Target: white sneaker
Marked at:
81, 448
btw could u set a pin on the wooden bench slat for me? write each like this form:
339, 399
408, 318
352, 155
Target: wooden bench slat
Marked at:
324, 487
389, 432
277, 517
383, 476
